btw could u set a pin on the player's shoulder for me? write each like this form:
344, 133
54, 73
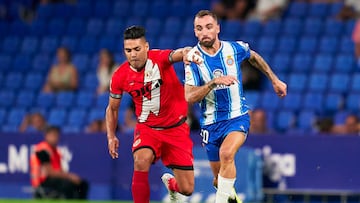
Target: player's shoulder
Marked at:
158, 52
121, 69
239, 43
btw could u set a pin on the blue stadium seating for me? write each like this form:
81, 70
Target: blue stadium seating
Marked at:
56, 27
16, 116
252, 99
292, 101
353, 102
318, 82
179, 9
94, 27
101, 9
45, 101
33, 81
10, 45
45, 11
25, 99
172, 26
269, 101
29, 45
6, 62
81, 62
18, 28
69, 42
281, 62
301, 63
57, 117
333, 102
284, 120
323, 63
121, 9
318, 10
346, 45
102, 100
82, 10
297, 9
84, 99
141, 8
328, 45
297, 82
64, 99
230, 29
292, 27
339, 83
77, 117
252, 28
333, 28
266, 45
272, 28
307, 45
75, 27
3, 115
313, 101
41, 63
13, 81
7, 98
49, 45
114, 27
286, 45
313, 27
87, 45
305, 120
355, 83
344, 63
96, 114
38, 27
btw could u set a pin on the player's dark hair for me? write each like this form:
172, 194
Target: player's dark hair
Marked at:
50, 129
134, 32
203, 13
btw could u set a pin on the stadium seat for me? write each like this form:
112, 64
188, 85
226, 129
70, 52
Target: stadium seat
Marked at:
297, 82
165, 42
13, 81
34, 81
3, 115
333, 102
122, 9
355, 83
297, 9
84, 99
90, 82
77, 117
134, 21
18, 28
284, 120
318, 10
115, 27
269, 101
292, 101
6, 63
82, 10
301, 63
87, 45
141, 8
266, 45
339, 83
45, 11
56, 27
313, 101
230, 29
328, 45
22, 63
69, 129
96, 114
271, 28
101, 9
179, 9
172, 26
252, 28
281, 62
353, 102
333, 28
318, 82
313, 27
153, 27
69, 42
10, 45
25, 99
344, 63
252, 99
292, 27
4, 27
102, 100
7, 98
49, 45
109, 43
38, 27
286, 45
94, 27
307, 45
29, 45
306, 120
323, 63
15, 116
75, 27
45, 100
346, 45
57, 117
41, 63
64, 99
81, 62
63, 10
349, 27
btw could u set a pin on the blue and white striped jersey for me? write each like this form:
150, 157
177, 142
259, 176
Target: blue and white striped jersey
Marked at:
223, 102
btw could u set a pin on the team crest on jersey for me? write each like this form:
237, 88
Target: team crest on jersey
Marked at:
137, 142
148, 74
229, 60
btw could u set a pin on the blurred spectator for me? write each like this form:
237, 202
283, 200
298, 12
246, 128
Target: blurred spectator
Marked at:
251, 77
232, 9
325, 125
258, 122
63, 76
356, 39
268, 9
34, 122
105, 70
47, 174
96, 126
351, 126
350, 10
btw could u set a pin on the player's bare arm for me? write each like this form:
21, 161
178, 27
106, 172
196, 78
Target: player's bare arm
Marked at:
195, 94
112, 111
183, 54
279, 86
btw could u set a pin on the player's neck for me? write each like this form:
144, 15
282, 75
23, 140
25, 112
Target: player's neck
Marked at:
213, 49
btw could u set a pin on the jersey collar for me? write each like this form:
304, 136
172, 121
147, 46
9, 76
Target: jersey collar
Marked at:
211, 55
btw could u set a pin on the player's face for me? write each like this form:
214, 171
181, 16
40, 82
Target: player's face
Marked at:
136, 52
206, 30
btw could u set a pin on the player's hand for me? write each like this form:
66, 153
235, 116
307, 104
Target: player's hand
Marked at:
113, 145
74, 178
225, 80
191, 55
280, 88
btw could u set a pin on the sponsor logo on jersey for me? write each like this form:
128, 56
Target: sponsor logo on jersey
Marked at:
137, 142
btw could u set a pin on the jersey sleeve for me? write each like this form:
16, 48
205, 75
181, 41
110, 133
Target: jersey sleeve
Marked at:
164, 57
192, 76
243, 50
116, 90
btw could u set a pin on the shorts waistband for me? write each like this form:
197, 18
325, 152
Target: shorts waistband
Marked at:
171, 126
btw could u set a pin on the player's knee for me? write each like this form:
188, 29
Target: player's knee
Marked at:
226, 155
187, 189
142, 163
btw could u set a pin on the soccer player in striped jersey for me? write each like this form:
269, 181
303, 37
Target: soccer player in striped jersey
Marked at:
216, 85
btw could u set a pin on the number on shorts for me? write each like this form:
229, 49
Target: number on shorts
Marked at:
205, 135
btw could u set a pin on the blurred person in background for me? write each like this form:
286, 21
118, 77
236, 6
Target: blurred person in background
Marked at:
232, 9
34, 122
63, 75
356, 40
266, 10
258, 122
161, 131
95, 126
130, 119
350, 127
47, 173
350, 10
216, 84
105, 69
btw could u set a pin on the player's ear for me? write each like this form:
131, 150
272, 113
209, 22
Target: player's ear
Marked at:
217, 28
147, 46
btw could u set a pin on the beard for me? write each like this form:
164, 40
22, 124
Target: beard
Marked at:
207, 44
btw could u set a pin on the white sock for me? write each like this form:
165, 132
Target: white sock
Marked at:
225, 189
